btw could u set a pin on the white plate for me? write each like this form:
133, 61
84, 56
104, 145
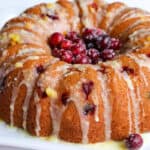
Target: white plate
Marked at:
10, 136
14, 137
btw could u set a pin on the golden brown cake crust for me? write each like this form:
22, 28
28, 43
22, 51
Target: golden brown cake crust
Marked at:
120, 96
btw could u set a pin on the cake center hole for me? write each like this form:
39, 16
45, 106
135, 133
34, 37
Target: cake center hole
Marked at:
89, 47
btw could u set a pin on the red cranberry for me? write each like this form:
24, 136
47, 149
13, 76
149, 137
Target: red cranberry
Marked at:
40, 69
134, 142
56, 39
93, 53
107, 54
78, 49
73, 36
115, 44
79, 41
53, 17
66, 44
82, 59
91, 35
103, 69
64, 98
87, 88
89, 109
94, 5
41, 93
128, 70
57, 52
103, 42
148, 55
100, 32
95, 44
67, 56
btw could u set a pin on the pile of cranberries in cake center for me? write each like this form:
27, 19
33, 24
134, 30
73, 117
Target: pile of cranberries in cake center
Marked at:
89, 47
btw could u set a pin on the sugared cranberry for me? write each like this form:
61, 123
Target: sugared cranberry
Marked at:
115, 44
56, 39
148, 55
134, 142
93, 45
103, 42
94, 55
73, 36
107, 54
67, 56
64, 98
89, 109
89, 35
77, 49
128, 69
40, 69
53, 17
41, 94
66, 44
94, 5
87, 88
57, 52
102, 69
79, 41
82, 59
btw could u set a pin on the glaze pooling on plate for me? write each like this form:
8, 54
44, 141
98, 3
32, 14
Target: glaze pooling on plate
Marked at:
116, 104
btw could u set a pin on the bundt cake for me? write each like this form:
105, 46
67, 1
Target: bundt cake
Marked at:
78, 70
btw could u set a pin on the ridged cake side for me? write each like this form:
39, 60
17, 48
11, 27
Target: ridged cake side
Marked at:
118, 90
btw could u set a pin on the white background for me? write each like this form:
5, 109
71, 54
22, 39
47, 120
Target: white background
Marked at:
11, 137
10, 8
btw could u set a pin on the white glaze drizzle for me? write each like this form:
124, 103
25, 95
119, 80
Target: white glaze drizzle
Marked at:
136, 23
84, 124
117, 66
134, 100
142, 60
139, 33
14, 95
27, 98
38, 114
94, 94
40, 22
85, 15
138, 62
15, 90
96, 102
112, 15
129, 114
106, 103
140, 101
25, 51
56, 115
133, 14
29, 81
132, 96
75, 95
55, 111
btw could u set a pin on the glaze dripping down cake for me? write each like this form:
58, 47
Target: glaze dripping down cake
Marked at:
81, 96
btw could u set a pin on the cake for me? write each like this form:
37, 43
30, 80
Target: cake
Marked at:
78, 100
